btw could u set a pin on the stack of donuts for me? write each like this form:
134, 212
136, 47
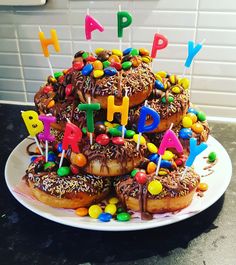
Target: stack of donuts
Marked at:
113, 164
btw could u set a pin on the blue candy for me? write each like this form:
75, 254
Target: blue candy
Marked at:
120, 128
166, 164
110, 71
153, 158
185, 133
87, 70
192, 110
159, 85
51, 157
59, 148
127, 51
33, 158
105, 217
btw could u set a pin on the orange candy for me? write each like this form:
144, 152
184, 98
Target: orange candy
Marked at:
79, 160
202, 187
151, 167
97, 65
114, 58
81, 211
197, 127
192, 116
136, 61
143, 51
51, 104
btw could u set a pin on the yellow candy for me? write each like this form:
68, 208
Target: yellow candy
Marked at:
155, 187
184, 82
173, 79
108, 124
192, 116
142, 139
158, 77
176, 89
79, 159
97, 65
187, 122
51, 104
168, 155
110, 208
202, 187
151, 167
98, 73
117, 52
94, 211
143, 51
82, 211
162, 173
113, 200
162, 74
98, 50
197, 127
152, 148
146, 59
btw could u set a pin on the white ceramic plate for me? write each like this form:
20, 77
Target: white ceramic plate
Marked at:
218, 182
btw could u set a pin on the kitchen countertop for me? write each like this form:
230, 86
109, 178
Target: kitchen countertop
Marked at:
209, 238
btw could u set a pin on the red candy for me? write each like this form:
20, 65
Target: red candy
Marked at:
47, 89
61, 79
91, 59
40, 158
118, 140
141, 177
102, 139
78, 65
74, 169
116, 65
68, 89
179, 162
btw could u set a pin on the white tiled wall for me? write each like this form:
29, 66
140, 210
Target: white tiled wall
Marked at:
213, 74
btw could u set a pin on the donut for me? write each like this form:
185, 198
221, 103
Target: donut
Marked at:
124, 73
72, 191
177, 192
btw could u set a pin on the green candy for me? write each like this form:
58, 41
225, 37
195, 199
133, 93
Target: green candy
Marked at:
134, 52
85, 55
84, 130
120, 210
48, 165
212, 157
170, 99
129, 133
133, 173
58, 74
115, 132
201, 116
126, 65
63, 171
106, 64
123, 217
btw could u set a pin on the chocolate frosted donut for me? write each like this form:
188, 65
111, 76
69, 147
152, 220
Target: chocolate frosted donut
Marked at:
72, 191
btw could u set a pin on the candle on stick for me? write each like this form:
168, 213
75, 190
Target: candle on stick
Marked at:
159, 42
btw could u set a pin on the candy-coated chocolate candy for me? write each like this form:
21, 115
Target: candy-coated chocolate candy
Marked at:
201, 116
163, 74
97, 65
146, 59
114, 58
110, 208
79, 160
129, 133
106, 64
63, 171
170, 99
78, 54
158, 77
136, 61
82, 211
49, 165
143, 51
68, 89
113, 200
192, 110
173, 79
51, 157
33, 158
126, 58
184, 82
87, 70
77, 65
162, 173
134, 172
74, 169
120, 210
202, 186
99, 129
123, 217
48, 89
118, 140
51, 104
59, 148
151, 167
187, 122
127, 51
108, 124
91, 59
175, 89
126, 65
141, 177
166, 164
116, 65
115, 132
84, 130
212, 157
142, 139
120, 128
105, 217
152, 148
179, 162
117, 52
185, 133
85, 55
134, 52
110, 71
192, 116
159, 85
197, 127
102, 139
98, 50
155, 187
58, 74
153, 157
61, 79
98, 73
168, 155
94, 211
